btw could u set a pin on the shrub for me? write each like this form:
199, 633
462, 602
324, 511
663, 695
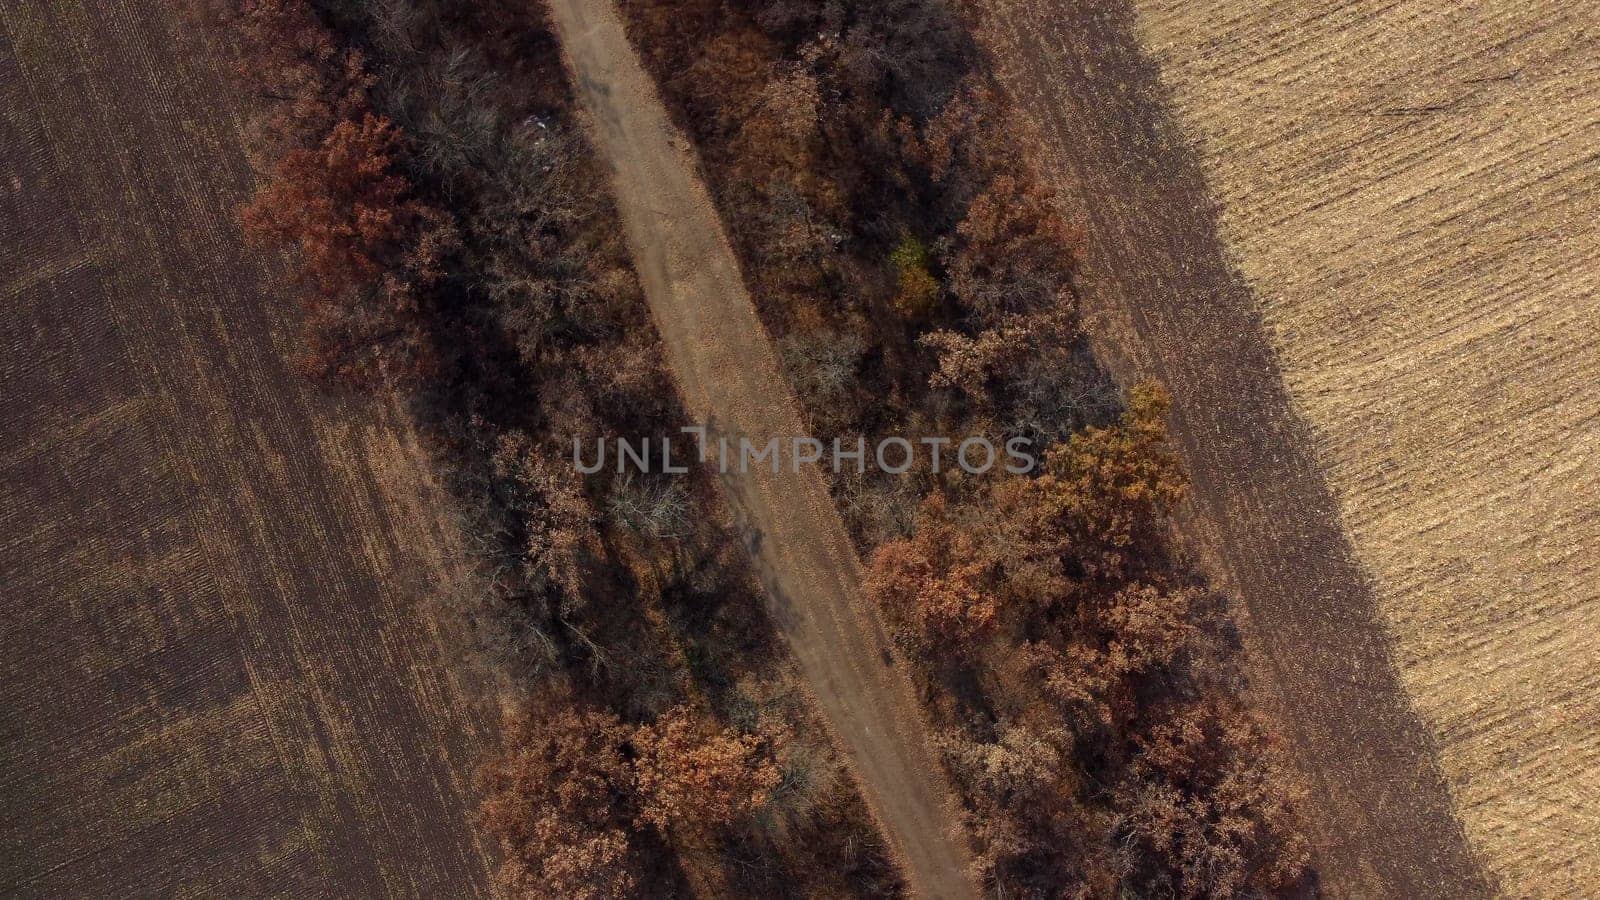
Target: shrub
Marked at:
916, 290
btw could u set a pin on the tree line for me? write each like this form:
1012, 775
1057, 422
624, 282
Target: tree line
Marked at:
457, 251
917, 272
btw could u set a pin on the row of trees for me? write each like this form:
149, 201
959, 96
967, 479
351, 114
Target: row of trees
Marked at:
1053, 602
458, 251
913, 264
568, 795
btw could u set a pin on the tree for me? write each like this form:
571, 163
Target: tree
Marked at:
557, 518
1206, 808
779, 139
973, 364
726, 77
341, 203
935, 585
376, 337
282, 49
557, 799
916, 290
1013, 252
1144, 627
1101, 494
694, 778
370, 251
1095, 664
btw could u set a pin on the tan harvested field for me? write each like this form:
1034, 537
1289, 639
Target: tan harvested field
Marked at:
727, 370
1406, 193
1412, 190
217, 678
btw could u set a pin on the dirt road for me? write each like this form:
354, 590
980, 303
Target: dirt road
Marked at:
1163, 301
728, 373
217, 680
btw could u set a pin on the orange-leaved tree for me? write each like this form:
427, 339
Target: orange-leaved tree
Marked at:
934, 585
694, 777
369, 248
1207, 807
557, 798
342, 203
1102, 493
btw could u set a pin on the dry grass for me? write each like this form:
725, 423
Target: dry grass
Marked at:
1411, 189
217, 679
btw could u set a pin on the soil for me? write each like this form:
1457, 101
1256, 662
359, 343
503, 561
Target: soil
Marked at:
218, 677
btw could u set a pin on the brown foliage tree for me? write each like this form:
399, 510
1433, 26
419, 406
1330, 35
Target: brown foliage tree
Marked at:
1101, 494
341, 203
282, 49
779, 139
934, 585
694, 778
1092, 666
557, 800
1012, 253
374, 338
1031, 824
562, 537
370, 251
1144, 626
973, 364
1207, 799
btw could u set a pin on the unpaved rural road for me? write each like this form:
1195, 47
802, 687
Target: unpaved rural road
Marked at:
1163, 301
728, 373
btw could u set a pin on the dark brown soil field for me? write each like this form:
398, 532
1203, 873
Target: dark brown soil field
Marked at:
217, 679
